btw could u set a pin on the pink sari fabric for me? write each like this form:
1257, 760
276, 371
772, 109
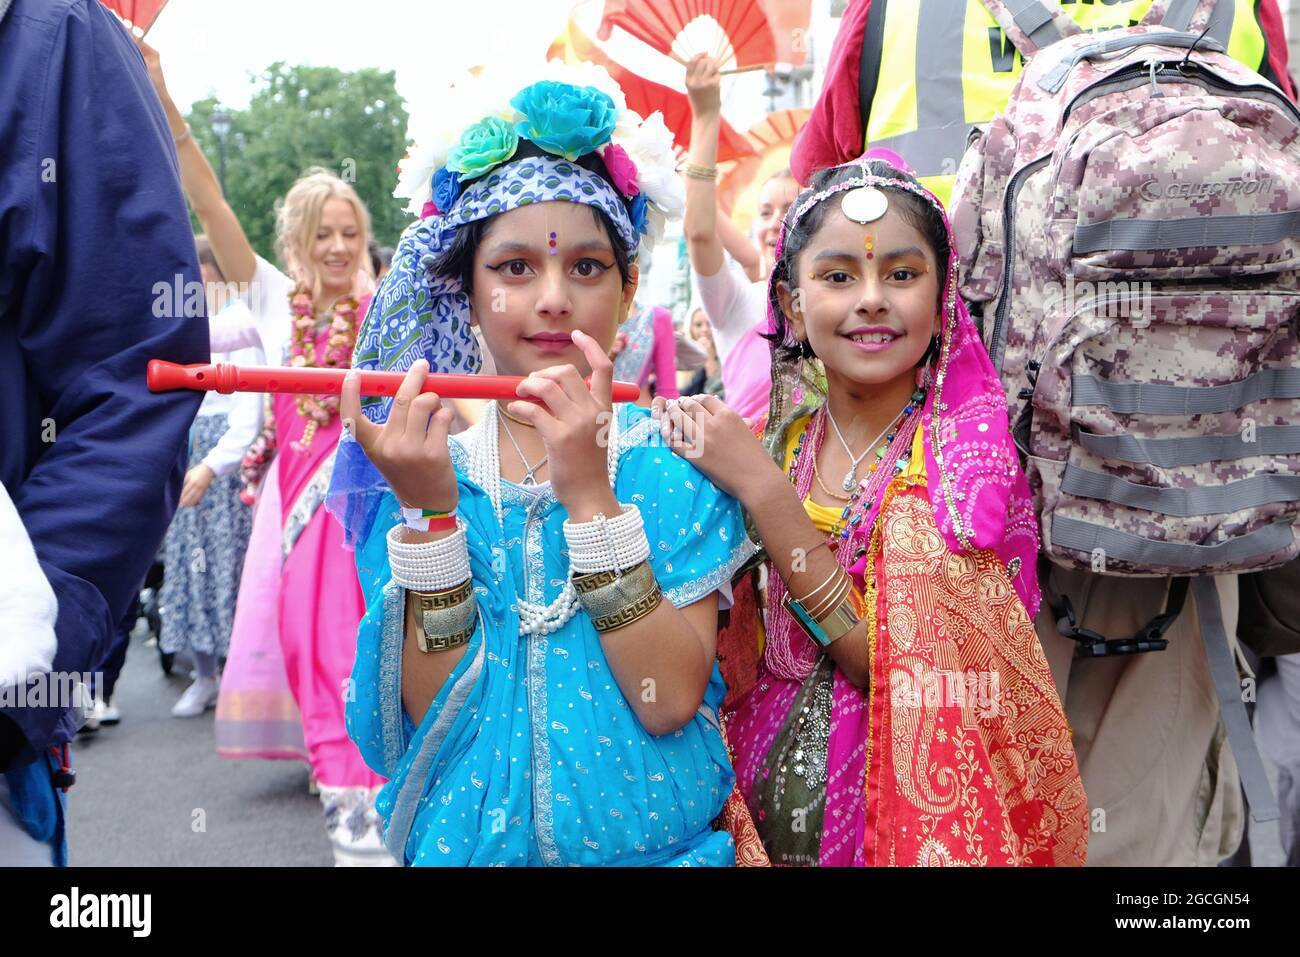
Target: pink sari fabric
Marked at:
663, 356
752, 731
295, 634
320, 604
256, 714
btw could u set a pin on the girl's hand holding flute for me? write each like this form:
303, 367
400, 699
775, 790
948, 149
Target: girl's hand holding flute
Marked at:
410, 449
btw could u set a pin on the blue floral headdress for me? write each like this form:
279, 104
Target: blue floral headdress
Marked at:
474, 168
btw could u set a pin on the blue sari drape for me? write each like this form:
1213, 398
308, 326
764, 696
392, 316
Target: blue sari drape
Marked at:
530, 754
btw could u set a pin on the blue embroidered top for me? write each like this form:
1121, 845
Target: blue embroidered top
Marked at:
530, 754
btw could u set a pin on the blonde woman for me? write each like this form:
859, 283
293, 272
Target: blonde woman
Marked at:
300, 602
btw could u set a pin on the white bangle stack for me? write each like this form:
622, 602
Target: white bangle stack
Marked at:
607, 544
429, 566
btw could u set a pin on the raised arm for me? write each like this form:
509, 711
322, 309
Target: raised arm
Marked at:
703, 245
233, 252
739, 247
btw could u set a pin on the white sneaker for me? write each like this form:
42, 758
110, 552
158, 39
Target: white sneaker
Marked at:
106, 712
354, 829
84, 702
198, 698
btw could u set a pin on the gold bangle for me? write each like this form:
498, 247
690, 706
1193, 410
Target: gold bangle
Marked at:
829, 578
835, 598
631, 613
614, 601
695, 171
842, 619
446, 619
429, 643
589, 582
827, 600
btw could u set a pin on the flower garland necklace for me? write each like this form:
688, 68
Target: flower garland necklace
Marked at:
341, 323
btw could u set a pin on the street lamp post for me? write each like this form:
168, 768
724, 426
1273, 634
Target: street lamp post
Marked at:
220, 121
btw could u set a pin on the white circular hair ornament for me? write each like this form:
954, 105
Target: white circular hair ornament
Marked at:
865, 204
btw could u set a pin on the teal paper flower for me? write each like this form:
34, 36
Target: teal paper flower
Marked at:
563, 119
486, 144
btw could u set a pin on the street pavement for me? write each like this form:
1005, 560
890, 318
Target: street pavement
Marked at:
151, 790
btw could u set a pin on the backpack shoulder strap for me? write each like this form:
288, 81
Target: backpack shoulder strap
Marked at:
1033, 25
1178, 14
1232, 707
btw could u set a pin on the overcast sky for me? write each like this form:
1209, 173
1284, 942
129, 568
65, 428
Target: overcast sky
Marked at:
216, 47
211, 48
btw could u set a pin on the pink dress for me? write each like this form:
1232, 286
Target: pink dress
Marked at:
295, 634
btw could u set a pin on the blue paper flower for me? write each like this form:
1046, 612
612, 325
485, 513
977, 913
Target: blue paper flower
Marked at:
564, 119
446, 187
637, 212
486, 144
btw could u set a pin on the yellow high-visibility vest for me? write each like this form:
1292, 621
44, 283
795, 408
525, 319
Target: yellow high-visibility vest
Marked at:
946, 65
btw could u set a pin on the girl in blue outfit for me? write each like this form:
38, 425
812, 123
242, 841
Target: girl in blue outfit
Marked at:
535, 673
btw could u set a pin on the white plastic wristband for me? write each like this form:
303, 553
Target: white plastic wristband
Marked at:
607, 544
429, 566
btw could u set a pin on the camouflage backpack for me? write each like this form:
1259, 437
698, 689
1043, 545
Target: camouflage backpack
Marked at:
1129, 231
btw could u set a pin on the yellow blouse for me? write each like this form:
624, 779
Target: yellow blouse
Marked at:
824, 517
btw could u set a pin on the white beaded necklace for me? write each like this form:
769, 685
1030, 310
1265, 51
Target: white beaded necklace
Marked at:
485, 471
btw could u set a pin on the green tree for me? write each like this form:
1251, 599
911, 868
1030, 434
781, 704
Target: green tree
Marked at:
353, 123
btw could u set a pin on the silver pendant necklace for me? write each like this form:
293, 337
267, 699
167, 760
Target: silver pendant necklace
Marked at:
851, 476
529, 478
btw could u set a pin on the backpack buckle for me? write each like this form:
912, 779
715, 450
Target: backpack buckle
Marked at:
62, 776
1091, 644
1150, 637
1113, 647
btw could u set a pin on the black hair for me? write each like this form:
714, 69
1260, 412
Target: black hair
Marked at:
457, 260
915, 211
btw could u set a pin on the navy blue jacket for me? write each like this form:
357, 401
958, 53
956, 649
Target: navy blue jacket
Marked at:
91, 219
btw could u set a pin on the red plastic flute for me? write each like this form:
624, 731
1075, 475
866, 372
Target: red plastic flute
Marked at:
225, 377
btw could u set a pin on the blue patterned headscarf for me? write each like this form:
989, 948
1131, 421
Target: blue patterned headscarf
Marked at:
415, 314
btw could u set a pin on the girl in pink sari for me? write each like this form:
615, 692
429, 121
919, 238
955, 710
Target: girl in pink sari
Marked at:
903, 712
300, 604
295, 629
